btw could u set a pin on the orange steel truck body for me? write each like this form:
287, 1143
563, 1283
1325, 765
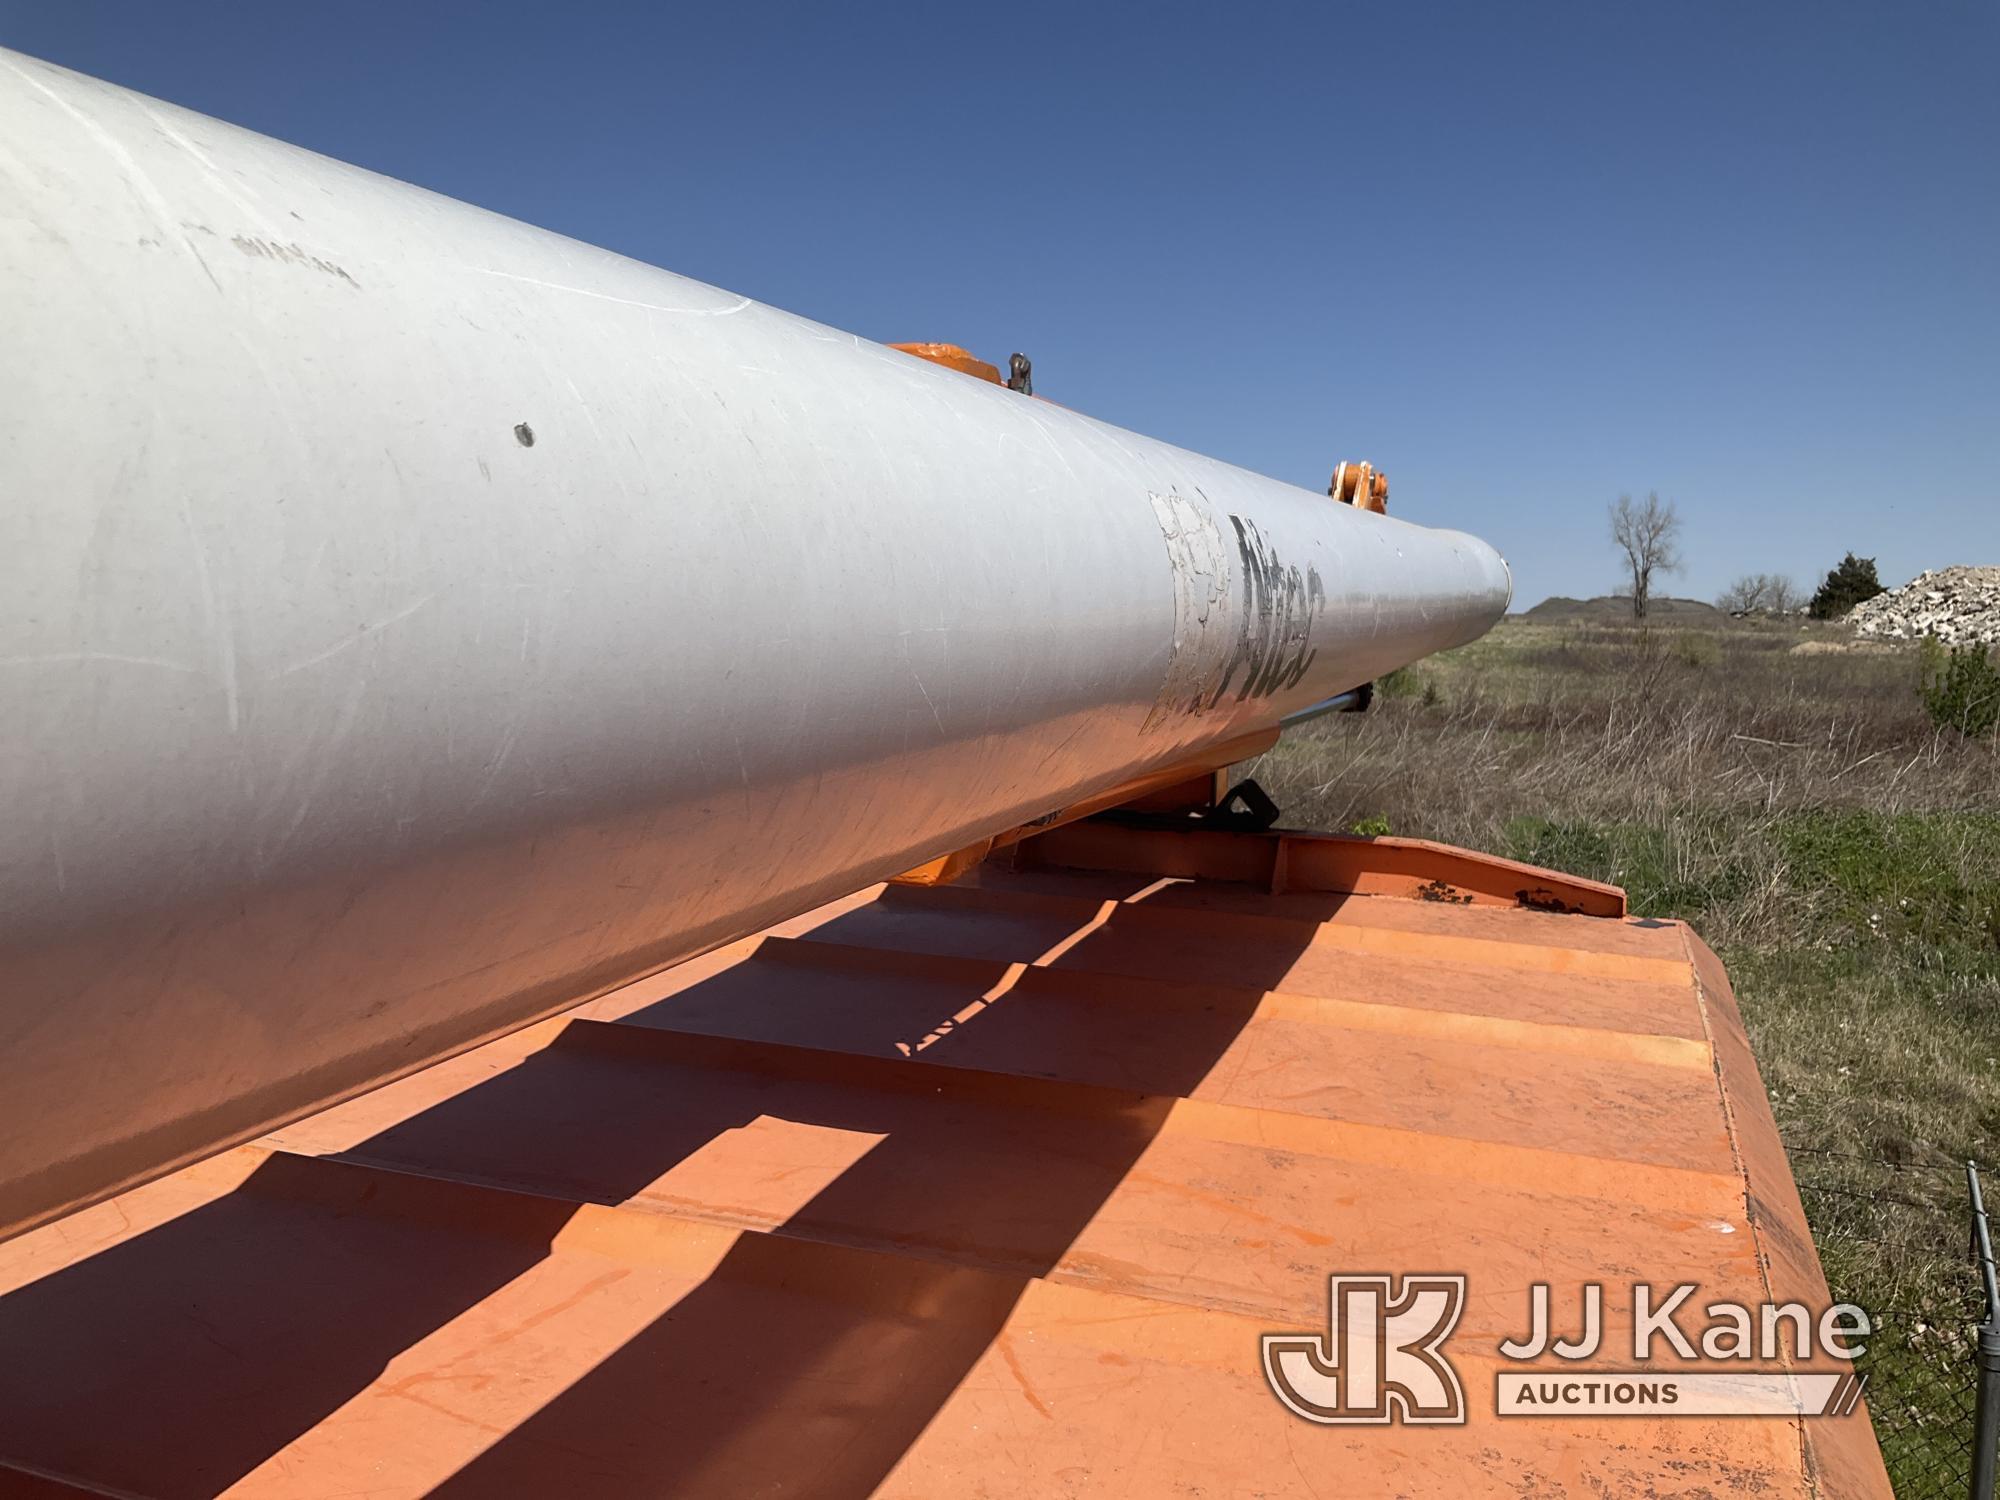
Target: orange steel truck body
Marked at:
981, 1188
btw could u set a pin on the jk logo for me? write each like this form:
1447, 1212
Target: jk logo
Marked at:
1379, 1360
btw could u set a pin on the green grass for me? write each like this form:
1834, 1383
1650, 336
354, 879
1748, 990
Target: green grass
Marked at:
1787, 793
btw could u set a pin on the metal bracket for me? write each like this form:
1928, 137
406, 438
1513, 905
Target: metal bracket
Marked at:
1244, 808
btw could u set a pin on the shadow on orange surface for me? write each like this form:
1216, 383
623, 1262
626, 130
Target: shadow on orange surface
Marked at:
808, 1361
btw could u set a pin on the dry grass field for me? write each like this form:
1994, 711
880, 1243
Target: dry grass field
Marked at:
1783, 790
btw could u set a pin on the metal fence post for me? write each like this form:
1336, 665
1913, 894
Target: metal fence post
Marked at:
1986, 1418
1986, 1424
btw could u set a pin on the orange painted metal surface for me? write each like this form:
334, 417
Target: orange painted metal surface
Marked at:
982, 1189
1360, 485
1282, 861
952, 357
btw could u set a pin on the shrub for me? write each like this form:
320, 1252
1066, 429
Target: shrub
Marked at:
1845, 587
1960, 687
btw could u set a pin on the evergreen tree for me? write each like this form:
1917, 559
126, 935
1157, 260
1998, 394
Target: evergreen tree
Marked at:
1845, 587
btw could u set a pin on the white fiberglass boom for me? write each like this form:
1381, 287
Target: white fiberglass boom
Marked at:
414, 622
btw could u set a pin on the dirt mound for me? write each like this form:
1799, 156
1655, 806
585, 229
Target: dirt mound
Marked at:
1957, 605
1615, 607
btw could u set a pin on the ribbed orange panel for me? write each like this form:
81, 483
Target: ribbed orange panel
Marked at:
980, 1189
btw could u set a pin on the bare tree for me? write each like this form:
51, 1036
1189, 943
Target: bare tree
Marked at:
1648, 534
1772, 592
1744, 595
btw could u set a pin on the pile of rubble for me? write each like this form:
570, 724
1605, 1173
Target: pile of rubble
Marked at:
1957, 605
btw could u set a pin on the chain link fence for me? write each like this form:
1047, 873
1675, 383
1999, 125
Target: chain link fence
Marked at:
1910, 1244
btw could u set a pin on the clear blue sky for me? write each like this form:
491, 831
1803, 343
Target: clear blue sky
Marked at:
1521, 257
